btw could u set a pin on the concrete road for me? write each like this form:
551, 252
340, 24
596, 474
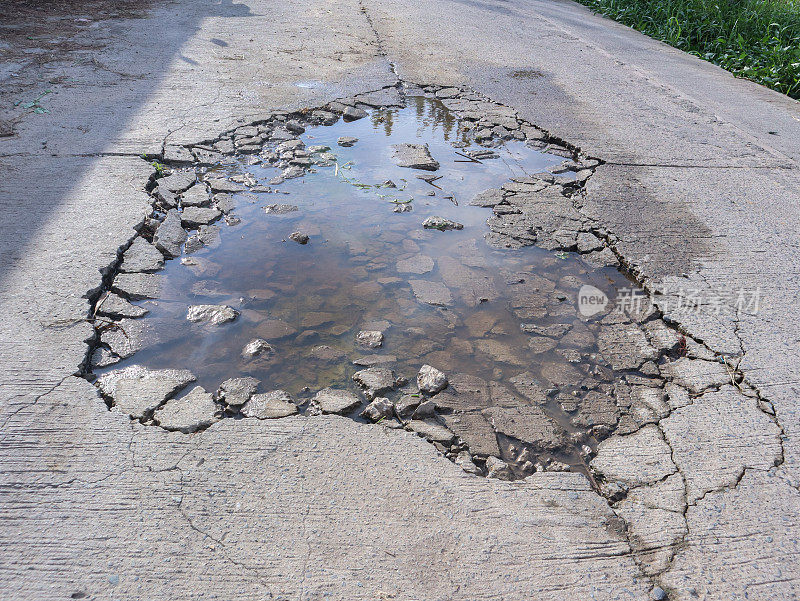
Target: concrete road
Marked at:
698, 189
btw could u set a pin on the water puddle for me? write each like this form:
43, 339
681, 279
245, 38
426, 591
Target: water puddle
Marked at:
526, 380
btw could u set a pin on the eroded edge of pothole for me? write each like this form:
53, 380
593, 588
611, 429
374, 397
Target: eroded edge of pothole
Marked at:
510, 228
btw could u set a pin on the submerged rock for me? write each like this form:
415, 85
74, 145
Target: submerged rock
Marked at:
430, 380
256, 347
213, 314
347, 141
369, 338
440, 223
431, 293
188, 414
270, 405
299, 237
414, 156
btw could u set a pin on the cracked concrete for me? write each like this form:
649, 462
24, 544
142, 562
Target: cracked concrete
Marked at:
694, 191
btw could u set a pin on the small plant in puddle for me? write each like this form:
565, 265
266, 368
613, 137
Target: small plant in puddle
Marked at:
34, 104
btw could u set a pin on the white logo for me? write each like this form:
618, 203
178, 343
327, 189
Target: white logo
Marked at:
591, 300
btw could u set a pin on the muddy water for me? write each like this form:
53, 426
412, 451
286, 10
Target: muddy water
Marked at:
309, 301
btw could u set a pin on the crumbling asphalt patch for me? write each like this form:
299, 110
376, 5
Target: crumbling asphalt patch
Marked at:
400, 315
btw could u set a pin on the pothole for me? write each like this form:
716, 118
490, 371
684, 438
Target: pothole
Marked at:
339, 260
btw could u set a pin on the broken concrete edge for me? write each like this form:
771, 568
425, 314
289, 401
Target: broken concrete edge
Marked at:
570, 189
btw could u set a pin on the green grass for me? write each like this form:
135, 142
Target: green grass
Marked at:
755, 39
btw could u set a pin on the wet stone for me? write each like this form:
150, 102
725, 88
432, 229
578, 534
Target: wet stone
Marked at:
347, 141
369, 338
270, 405
237, 391
170, 235
256, 347
197, 216
331, 400
430, 380
378, 409
352, 113
299, 237
376, 379
213, 314
440, 223
414, 156
189, 413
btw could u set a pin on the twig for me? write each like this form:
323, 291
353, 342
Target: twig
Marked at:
466, 156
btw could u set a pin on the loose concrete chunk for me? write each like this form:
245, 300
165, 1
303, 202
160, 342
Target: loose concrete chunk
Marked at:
529, 424
256, 347
196, 216
414, 156
170, 235
270, 405
440, 223
141, 256
346, 141
352, 113
213, 314
430, 380
138, 286
636, 459
378, 409
432, 430
431, 293
196, 196
697, 375
299, 237
224, 185
588, 242
177, 181
137, 390
369, 338
190, 413
376, 379
719, 435
499, 469
113, 305
237, 391
332, 400
465, 462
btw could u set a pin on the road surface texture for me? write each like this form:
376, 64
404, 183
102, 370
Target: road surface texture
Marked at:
698, 189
